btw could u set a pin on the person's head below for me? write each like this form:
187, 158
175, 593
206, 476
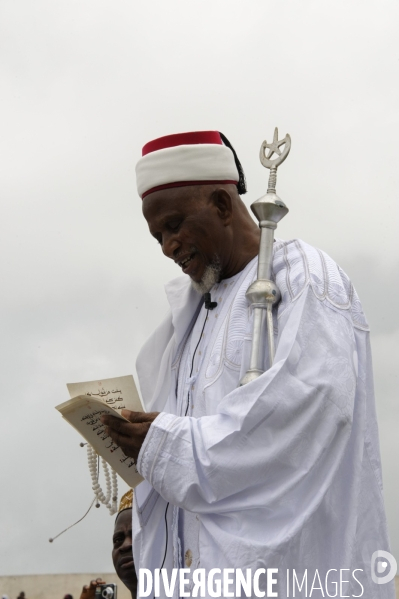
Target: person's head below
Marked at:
122, 551
68, 597
191, 185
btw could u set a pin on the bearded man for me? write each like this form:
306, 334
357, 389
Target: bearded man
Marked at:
283, 472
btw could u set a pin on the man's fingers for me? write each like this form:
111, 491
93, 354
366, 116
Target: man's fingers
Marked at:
120, 426
139, 417
129, 435
93, 584
133, 438
133, 417
116, 437
126, 429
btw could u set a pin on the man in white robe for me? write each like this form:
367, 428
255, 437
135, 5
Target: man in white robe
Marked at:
285, 471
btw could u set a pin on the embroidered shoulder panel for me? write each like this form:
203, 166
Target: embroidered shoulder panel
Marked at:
297, 265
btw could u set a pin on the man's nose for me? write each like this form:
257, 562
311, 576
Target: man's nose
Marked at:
170, 244
126, 545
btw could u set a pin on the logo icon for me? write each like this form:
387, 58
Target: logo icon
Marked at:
379, 565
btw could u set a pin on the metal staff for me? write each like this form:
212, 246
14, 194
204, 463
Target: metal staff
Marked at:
264, 293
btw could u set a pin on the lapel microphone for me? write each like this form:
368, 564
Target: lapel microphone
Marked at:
209, 304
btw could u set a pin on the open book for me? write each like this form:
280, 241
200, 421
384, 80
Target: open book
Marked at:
89, 401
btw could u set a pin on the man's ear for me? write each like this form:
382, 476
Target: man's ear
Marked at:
223, 203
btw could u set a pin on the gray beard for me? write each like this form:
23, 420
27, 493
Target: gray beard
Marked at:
210, 277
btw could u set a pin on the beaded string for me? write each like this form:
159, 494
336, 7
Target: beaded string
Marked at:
111, 481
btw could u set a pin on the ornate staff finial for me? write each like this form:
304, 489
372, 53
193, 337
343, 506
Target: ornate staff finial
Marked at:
274, 148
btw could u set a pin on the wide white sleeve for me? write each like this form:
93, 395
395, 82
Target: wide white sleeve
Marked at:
276, 441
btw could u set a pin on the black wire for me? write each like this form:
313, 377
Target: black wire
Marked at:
188, 403
192, 361
166, 544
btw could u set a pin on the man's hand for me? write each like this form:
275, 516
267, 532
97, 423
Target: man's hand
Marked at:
89, 591
129, 435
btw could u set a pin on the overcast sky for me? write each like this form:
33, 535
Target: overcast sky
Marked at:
84, 84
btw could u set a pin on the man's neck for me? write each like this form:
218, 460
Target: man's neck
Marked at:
241, 264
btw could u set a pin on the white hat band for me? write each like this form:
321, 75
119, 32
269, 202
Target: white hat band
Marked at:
194, 163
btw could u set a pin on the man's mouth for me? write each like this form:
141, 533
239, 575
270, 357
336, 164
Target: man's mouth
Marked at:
185, 262
126, 562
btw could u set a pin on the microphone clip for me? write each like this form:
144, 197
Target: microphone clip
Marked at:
209, 304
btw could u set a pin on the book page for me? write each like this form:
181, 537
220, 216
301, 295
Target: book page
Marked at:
118, 393
84, 413
89, 401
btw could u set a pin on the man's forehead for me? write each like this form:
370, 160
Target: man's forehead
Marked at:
166, 203
178, 193
123, 520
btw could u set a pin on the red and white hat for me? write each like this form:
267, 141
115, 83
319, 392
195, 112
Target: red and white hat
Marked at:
196, 158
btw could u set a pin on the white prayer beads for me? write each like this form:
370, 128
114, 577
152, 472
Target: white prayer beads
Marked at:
110, 499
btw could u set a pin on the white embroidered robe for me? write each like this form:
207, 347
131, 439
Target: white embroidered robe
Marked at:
283, 472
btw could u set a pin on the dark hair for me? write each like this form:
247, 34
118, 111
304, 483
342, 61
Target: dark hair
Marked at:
242, 184
119, 513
